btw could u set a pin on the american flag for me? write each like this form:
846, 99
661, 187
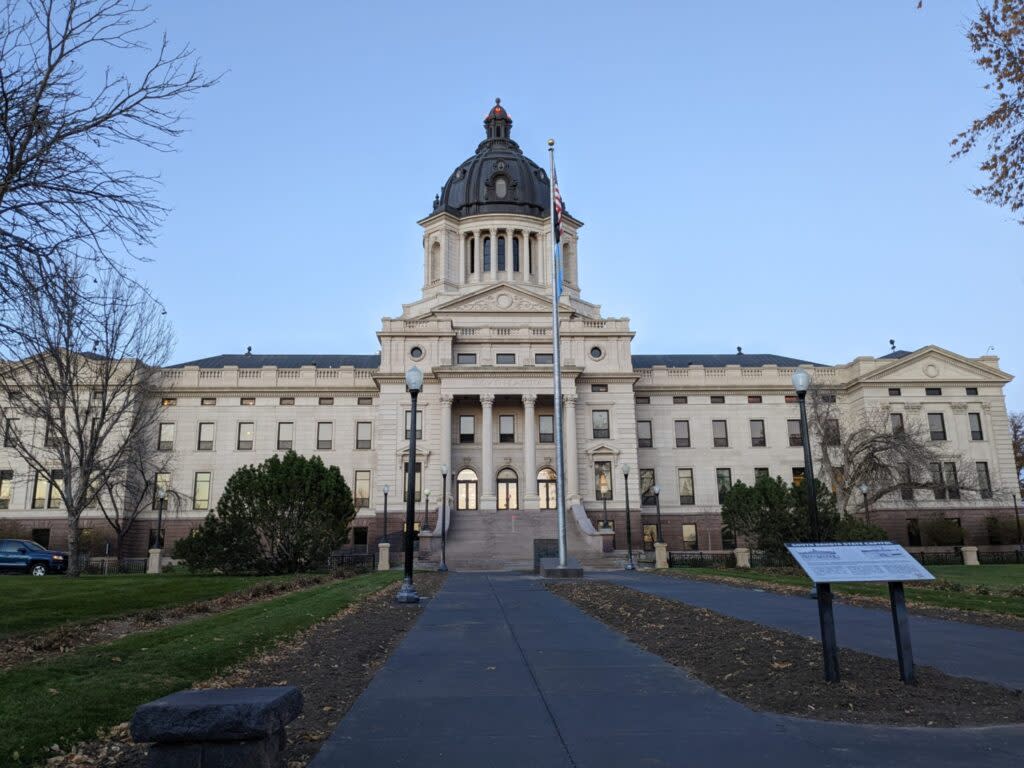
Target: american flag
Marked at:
556, 224
557, 196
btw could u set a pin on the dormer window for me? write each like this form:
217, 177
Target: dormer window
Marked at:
500, 187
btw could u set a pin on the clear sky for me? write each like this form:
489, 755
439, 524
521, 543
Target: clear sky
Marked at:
771, 175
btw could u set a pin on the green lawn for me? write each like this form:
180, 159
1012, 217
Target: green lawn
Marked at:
997, 576
67, 699
30, 604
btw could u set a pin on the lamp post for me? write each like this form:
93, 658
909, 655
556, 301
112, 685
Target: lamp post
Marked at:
657, 506
863, 488
386, 489
426, 510
629, 528
801, 383
603, 490
443, 568
414, 383
1016, 512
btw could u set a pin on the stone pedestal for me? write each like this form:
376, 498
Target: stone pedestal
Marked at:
551, 569
384, 556
970, 555
660, 555
153, 564
742, 557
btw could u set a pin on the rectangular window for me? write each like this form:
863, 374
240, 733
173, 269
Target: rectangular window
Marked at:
894, 392
933, 391
547, 429
603, 480
544, 358
326, 401
952, 482
938, 486
720, 433
505, 358
201, 491
760, 472
285, 435
798, 476
830, 433
165, 442
205, 442
972, 390
168, 401
599, 421
647, 487
796, 436
827, 397
417, 482
465, 358
54, 501
937, 426
644, 439
913, 532
419, 424
975, 421
753, 399
41, 536
896, 421
10, 433
792, 399
206, 401
361, 495
643, 400
683, 434
287, 401
39, 491
6, 479
246, 435
757, 437
50, 439
598, 387
984, 481
678, 399
324, 435
723, 479
364, 401
364, 434
506, 428
685, 477
467, 429
689, 536
717, 399
247, 401
907, 486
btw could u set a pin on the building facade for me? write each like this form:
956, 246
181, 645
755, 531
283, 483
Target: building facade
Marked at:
690, 424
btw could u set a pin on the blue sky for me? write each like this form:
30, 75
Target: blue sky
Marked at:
771, 175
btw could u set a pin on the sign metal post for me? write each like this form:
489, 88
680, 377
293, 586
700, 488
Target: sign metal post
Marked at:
901, 625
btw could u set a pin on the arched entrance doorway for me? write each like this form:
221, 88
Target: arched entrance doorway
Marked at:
466, 488
547, 488
508, 489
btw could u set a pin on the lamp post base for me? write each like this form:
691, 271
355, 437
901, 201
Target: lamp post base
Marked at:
442, 568
630, 566
407, 593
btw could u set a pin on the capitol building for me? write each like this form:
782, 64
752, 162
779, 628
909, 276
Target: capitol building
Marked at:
690, 424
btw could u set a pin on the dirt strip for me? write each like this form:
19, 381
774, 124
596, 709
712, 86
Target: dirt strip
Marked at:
980, 618
331, 662
775, 671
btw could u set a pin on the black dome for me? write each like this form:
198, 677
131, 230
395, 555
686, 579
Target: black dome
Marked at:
499, 178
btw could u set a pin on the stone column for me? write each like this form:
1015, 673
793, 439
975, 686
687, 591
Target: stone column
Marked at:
572, 470
487, 495
529, 449
446, 430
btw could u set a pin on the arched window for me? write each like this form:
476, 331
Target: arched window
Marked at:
466, 489
515, 254
568, 264
487, 255
547, 488
508, 489
472, 255
529, 254
435, 262
500, 187
501, 254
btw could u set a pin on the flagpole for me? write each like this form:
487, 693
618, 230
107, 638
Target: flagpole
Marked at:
556, 348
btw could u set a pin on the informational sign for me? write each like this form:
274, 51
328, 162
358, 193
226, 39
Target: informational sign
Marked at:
839, 561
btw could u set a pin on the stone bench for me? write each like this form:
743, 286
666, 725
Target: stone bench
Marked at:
217, 728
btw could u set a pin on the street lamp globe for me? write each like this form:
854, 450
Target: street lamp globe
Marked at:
387, 489
657, 490
427, 493
444, 469
625, 469
801, 381
863, 488
414, 380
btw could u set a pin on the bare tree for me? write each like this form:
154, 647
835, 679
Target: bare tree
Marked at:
888, 457
1017, 438
61, 194
79, 381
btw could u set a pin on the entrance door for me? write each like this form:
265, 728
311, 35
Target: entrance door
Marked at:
466, 489
546, 488
508, 489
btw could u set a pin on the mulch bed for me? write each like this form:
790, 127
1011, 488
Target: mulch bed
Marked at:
20, 650
981, 618
775, 671
331, 662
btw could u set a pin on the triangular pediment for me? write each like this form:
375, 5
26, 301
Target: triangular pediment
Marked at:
936, 364
499, 299
605, 449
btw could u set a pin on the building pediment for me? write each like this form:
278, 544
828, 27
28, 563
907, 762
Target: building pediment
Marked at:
603, 449
934, 363
497, 299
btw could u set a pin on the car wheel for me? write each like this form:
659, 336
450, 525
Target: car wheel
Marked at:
38, 570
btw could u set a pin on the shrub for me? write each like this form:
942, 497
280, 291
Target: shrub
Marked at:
944, 533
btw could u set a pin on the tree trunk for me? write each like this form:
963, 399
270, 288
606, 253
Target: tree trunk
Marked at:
73, 565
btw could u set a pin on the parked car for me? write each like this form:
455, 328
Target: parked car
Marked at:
28, 557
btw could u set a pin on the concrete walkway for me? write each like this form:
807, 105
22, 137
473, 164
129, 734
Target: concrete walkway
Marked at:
500, 672
965, 650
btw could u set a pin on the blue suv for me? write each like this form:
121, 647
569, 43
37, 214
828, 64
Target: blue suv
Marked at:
29, 557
